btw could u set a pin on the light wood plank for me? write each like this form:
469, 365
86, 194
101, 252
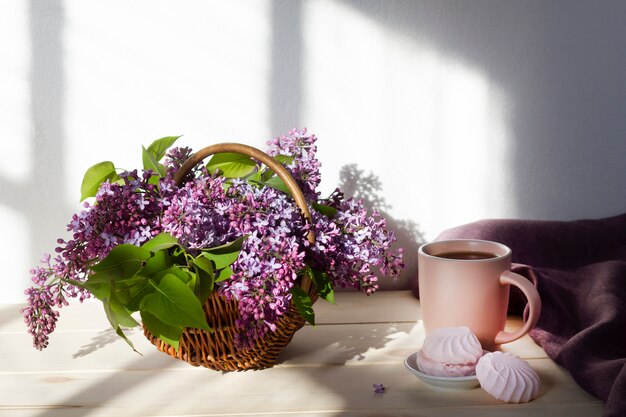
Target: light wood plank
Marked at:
381, 307
350, 344
323, 389
327, 370
351, 307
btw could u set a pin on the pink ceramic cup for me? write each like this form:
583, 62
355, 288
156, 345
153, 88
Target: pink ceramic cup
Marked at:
472, 292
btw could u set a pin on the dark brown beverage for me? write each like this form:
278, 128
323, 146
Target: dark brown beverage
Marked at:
466, 255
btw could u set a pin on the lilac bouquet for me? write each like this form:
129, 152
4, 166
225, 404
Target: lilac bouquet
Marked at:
150, 246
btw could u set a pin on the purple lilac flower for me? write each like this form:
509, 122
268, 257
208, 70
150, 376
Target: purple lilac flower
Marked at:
122, 213
175, 158
270, 259
305, 167
196, 213
352, 247
379, 388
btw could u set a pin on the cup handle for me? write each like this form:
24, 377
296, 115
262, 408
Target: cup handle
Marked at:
534, 304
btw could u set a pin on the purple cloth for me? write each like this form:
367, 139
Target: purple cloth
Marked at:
579, 268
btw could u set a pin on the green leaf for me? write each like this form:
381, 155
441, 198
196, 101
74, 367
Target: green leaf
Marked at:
123, 294
134, 281
323, 285
166, 332
117, 313
158, 262
278, 184
268, 172
229, 247
232, 165
137, 293
159, 147
283, 159
203, 264
95, 176
304, 304
327, 211
150, 162
265, 176
99, 285
181, 273
160, 242
124, 260
224, 274
204, 278
175, 304
226, 254
120, 333
255, 177
221, 260
179, 255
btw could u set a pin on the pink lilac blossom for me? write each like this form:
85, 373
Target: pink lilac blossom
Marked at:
352, 247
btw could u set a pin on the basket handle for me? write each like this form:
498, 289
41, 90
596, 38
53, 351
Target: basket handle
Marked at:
273, 164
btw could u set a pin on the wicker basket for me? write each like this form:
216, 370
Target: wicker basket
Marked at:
217, 350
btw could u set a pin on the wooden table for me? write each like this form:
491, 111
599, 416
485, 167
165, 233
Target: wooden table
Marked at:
327, 370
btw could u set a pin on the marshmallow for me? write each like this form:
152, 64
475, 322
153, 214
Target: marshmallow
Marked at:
449, 351
507, 377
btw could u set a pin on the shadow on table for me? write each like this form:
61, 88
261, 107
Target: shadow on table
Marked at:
344, 347
338, 354
102, 339
348, 361
341, 343
102, 390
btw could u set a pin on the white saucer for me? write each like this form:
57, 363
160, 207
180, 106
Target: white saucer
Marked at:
449, 383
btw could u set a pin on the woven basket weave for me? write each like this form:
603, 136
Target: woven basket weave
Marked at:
217, 350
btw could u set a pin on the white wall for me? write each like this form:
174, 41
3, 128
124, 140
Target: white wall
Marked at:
447, 112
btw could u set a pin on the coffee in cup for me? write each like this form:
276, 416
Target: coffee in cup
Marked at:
466, 282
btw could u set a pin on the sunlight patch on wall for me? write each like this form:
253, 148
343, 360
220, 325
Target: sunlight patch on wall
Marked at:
15, 116
470, 160
432, 128
198, 69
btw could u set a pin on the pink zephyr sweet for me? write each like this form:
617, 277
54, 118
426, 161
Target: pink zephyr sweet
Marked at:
449, 351
507, 377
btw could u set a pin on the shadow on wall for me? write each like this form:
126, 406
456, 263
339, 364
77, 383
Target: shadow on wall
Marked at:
561, 69
355, 183
285, 99
43, 208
